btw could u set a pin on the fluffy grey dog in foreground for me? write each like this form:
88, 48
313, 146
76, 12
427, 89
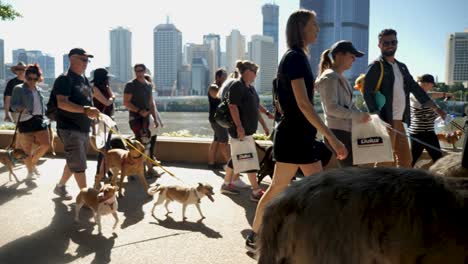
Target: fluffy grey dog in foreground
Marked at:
367, 216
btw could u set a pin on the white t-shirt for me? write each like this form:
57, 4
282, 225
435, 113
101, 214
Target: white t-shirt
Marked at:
399, 99
37, 110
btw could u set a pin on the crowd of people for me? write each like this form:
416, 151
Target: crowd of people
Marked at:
295, 142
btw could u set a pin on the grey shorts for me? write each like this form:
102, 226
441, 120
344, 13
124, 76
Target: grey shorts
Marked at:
75, 146
220, 133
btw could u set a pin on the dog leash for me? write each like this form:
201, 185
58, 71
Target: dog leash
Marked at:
144, 155
412, 138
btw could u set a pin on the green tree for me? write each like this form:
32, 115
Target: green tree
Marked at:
7, 12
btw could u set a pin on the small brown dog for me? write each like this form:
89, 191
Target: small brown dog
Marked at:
183, 195
450, 138
123, 162
8, 158
102, 202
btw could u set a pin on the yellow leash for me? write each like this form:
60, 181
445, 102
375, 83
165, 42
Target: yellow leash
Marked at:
146, 156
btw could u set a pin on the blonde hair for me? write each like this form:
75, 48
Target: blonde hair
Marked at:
297, 21
243, 65
325, 61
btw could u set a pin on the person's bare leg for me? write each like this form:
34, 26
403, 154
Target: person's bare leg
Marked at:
65, 175
44, 145
282, 176
212, 152
223, 148
253, 180
80, 178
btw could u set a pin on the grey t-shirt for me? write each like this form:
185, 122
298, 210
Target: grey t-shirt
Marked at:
247, 101
141, 93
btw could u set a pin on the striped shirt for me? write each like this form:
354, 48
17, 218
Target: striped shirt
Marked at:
422, 118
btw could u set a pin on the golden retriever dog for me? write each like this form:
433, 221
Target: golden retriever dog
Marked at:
366, 216
122, 162
450, 138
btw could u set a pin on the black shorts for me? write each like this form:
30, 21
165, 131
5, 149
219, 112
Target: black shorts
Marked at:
220, 133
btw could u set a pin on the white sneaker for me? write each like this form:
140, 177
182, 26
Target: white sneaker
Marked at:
240, 184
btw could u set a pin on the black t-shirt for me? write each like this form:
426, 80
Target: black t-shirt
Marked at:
214, 102
247, 102
141, 93
294, 65
79, 91
10, 86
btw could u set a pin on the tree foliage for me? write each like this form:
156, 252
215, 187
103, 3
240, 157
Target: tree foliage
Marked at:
7, 12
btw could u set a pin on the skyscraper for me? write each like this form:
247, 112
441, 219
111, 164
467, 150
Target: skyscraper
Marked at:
167, 57
270, 14
121, 54
200, 76
66, 63
262, 51
2, 60
45, 61
214, 41
203, 51
340, 20
457, 58
235, 49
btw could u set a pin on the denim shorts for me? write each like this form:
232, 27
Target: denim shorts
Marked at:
220, 133
75, 146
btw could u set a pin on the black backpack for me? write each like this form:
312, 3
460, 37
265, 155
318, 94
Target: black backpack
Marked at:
52, 106
222, 115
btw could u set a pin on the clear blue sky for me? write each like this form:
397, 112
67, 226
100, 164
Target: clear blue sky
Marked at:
54, 27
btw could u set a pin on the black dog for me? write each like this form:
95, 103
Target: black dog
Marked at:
366, 216
267, 164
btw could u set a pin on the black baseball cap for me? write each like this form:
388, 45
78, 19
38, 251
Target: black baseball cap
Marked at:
79, 51
427, 78
345, 46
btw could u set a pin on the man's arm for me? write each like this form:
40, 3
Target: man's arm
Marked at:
236, 119
153, 111
370, 83
263, 123
64, 104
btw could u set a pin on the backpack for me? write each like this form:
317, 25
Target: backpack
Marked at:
222, 116
379, 97
51, 105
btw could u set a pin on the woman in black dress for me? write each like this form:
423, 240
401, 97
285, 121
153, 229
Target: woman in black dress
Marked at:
295, 145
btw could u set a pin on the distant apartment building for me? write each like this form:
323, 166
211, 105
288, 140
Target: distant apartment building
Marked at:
235, 49
214, 41
184, 80
200, 76
270, 14
167, 57
262, 51
203, 51
45, 61
340, 20
66, 62
2, 59
121, 54
457, 58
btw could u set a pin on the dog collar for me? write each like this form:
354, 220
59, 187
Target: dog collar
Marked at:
198, 196
110, 202
11, 157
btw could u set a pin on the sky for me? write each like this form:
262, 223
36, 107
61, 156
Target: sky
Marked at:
56, 26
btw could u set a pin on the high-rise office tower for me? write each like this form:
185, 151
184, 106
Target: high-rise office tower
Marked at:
270, 14
2, 60
45, 61
200, 78
167, 57
214, 41
235, 49
203, 51
262, 51
340, 20
456, 69
121, 54
66, 62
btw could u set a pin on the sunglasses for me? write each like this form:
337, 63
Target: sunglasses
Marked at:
84, 60
32, 79
390, 42
140, 70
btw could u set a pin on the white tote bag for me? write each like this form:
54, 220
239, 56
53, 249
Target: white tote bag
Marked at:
244, 154
371, 142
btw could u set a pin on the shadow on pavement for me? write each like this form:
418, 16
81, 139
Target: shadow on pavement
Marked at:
50, 245
131, 204
198, 226
13, 191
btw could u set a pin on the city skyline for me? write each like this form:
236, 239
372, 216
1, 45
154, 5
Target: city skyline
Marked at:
422, 41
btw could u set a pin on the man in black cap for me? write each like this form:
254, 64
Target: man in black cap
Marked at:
19, 70
395, 86
75, 110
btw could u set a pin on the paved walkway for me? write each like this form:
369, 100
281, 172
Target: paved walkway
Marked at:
37, 227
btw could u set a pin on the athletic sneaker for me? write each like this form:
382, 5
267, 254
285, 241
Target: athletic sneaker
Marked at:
240, 184
250, 243
229, 189
62, 192
256, 195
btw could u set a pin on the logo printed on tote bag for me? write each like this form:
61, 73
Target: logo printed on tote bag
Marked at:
371, 141
245, 156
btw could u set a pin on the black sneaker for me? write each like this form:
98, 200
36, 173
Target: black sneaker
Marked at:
250, 243
62, 192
